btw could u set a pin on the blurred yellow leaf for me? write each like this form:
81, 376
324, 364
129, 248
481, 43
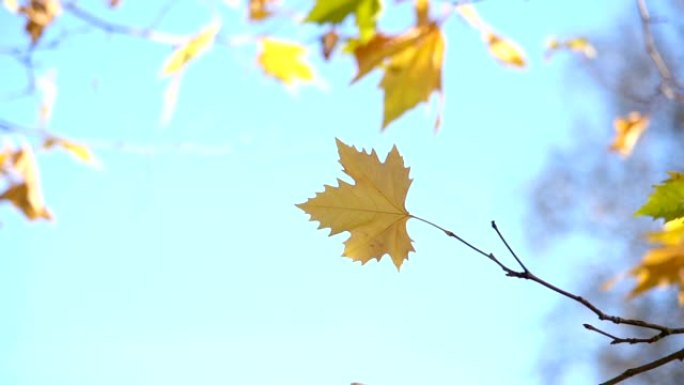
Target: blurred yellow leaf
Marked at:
372, 210
285, 61
470, 15
671, 234
412, 65
11, 5
191, 50
412, 75
26, 194
77, 150
39, 14
259, 9
5, 156
628, 130
578, 44
660, 267
366, 13
581, 45
114, 3
376, 51
422, 12
506, 51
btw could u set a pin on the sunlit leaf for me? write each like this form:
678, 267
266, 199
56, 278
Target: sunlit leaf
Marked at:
285, 61
505, 51
412, 76
671, 234
667, 199
26, 194
77, 150
372, 210
197, 45
471, 16
412, 64
660, 267
577, 44
366, 13
374, 53
628, 130
39, 14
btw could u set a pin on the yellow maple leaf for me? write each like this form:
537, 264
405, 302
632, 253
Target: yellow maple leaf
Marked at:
77, 150
26, 194
372, 210
285, 61
660, 267
628, 130
196, 46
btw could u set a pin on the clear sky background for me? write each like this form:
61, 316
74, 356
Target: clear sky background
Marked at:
191, 267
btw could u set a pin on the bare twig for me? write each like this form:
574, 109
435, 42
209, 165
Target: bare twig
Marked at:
678, 355
620, 340
525, 273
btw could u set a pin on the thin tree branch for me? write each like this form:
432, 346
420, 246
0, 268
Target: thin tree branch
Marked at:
620, 340
678, 355
525, 273
522, 265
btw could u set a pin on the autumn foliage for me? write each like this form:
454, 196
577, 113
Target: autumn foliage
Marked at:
411, 63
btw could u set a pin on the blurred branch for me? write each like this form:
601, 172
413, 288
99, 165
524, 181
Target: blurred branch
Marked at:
669, 86
525, 273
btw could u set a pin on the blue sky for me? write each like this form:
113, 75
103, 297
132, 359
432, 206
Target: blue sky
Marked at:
192, 267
